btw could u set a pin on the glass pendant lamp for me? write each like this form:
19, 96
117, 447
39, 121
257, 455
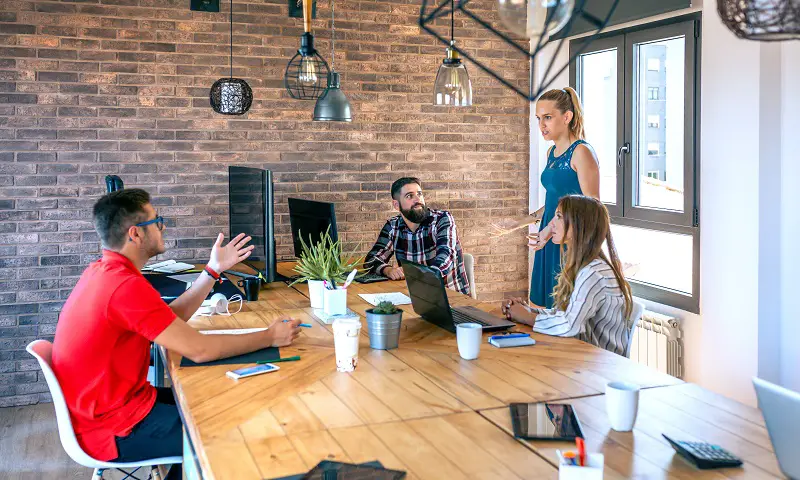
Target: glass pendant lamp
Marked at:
452, 87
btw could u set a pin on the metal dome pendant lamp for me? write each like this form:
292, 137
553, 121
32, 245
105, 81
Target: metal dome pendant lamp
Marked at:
231, 96
333, 106
452, 86
307, 73
765, 20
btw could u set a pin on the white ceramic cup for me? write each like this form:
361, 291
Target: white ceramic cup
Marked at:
334, 302
468, 336
346, 333
622, 405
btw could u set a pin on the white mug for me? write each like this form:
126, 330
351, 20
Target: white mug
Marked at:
622, 405
468, 336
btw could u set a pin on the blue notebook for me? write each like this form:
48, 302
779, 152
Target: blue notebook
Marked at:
329, 467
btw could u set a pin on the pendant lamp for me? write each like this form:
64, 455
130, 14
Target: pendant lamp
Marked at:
333, 105
452, 87
307, 73
231, 96
766, 20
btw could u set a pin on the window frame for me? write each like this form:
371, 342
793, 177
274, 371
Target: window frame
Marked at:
625, 212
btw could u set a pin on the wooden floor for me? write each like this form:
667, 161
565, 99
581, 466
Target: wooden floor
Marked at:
31, 449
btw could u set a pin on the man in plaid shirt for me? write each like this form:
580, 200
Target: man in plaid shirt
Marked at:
418, 234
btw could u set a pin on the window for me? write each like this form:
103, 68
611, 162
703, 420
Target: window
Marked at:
652, 196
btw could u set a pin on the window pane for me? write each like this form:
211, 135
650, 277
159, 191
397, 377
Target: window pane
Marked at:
659, 145
657, 258
598, 88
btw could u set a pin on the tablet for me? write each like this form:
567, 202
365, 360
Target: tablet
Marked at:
545, 421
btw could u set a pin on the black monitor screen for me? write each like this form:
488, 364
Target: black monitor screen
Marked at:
311, 219
246, 191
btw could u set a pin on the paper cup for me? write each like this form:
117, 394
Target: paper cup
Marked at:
345, 342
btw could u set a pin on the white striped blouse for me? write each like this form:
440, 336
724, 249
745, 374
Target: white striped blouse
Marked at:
596, 311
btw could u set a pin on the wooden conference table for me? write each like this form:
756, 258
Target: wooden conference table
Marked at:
422, 409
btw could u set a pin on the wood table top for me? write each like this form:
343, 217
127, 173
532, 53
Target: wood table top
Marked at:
423, 409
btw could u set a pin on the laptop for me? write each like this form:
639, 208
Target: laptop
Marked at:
429, 299
781, 409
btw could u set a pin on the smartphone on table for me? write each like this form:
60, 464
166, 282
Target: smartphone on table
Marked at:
545, 421
254, 370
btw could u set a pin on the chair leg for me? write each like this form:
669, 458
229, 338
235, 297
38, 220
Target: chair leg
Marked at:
97, 474
155, 473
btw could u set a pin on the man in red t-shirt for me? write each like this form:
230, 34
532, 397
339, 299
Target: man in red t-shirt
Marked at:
101, 347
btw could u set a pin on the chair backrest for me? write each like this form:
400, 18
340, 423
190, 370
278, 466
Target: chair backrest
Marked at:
636, 314
469, 266
42, 350
780, 407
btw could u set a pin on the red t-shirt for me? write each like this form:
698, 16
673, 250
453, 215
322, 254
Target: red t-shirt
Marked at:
101, 351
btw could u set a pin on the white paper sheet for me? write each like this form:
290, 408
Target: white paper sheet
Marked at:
235, 331
396, 298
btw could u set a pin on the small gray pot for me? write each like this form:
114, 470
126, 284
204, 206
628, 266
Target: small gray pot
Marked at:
384, 330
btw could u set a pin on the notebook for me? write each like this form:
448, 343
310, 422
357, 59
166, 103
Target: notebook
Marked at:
264, 355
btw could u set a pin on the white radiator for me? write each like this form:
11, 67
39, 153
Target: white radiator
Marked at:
657, 343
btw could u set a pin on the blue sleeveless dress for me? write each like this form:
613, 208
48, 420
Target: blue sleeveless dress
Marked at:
559, 179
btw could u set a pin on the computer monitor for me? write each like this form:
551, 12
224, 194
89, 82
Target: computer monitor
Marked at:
251, 201
311, 219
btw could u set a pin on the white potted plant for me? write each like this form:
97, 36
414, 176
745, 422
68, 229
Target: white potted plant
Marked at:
323, 261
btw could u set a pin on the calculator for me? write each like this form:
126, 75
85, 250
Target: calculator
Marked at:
705, 455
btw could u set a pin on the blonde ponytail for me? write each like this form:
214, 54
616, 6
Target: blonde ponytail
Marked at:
567, 100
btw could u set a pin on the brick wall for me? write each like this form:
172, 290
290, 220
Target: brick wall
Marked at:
96, 87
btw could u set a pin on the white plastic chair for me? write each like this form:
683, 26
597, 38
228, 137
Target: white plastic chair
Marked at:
42, 350
469, 266
636, 314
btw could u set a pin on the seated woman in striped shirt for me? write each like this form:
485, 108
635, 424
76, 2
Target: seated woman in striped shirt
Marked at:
592, 300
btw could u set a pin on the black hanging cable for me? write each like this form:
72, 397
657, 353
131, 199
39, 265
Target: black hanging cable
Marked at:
333, 36
231, 22
452, 21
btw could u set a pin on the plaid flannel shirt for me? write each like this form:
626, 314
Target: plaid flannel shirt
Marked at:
434, 243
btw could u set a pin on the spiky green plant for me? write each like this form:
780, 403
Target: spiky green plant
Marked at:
385, 308
324, 260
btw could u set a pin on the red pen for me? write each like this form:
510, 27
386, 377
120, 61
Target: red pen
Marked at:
581, 451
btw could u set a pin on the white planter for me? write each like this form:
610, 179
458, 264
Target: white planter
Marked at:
316, 292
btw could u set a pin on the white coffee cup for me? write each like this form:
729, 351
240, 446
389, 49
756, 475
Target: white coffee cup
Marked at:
346, 333
622, 405
468, 336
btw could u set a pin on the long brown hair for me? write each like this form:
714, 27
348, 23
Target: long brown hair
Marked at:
567, 100
587, 225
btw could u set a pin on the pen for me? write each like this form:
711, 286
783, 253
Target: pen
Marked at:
513, 335
287, 359
581, 451
304, 325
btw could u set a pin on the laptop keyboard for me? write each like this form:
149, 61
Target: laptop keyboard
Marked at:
461, 317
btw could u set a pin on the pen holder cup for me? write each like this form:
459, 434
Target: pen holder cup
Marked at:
592, 471
334, 302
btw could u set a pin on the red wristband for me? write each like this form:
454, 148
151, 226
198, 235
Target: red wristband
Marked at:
216, 276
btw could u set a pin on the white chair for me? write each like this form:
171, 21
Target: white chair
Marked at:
636, 314
42, 351
469, 266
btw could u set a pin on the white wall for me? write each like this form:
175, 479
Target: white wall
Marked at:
790, 216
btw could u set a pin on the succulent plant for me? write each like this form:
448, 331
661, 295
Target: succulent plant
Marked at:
385, 308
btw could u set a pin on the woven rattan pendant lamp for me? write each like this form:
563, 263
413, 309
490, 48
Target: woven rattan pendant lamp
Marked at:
765, 20
231, 96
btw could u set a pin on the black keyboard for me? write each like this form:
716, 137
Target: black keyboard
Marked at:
461, 317
705, 455
371, 278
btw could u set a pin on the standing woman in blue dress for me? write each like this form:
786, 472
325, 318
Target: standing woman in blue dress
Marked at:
572, 168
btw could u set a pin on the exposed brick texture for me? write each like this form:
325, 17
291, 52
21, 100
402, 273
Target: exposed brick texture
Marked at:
96, 87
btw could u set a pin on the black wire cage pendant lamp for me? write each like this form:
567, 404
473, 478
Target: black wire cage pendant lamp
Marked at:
231, 96
306, 74
765, 20
537, 20
333, 105
452, 86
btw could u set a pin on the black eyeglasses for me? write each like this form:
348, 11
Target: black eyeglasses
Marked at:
159, 221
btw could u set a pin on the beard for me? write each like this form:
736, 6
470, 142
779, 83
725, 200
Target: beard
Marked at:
417, 213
